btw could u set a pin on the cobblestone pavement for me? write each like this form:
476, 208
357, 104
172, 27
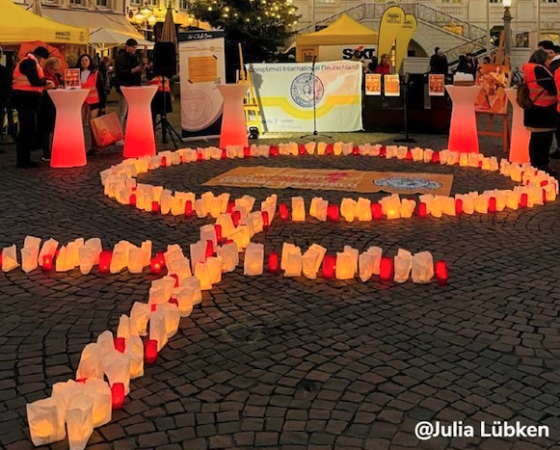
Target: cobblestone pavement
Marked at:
280, 363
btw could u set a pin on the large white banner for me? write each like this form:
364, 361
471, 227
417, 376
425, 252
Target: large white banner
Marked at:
285, 94
202, 66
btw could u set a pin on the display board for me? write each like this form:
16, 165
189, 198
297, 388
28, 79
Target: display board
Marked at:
202, 66
285, 94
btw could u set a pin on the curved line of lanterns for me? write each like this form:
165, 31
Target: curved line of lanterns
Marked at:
77, 406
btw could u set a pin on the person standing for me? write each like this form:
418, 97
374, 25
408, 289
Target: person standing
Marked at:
438, 62
96, 98
5, 95
384, 66
540, 118
48, 110
28, 85
161, 103
128, 73
554, 67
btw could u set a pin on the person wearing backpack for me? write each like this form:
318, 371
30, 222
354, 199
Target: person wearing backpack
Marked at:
540, 108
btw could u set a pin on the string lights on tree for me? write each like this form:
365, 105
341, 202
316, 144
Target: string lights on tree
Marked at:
261, 26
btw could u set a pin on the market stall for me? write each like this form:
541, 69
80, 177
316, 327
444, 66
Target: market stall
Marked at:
18, 25
337, 41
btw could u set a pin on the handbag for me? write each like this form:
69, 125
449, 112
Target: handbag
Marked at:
107, 129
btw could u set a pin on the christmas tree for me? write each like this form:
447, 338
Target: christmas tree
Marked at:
261, 26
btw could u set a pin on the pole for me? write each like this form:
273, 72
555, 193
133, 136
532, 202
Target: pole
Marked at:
313, 15
507, 30
488, 27
538, 21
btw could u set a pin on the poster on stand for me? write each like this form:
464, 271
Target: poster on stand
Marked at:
436, 85
373, 84
202, 67
392, 85
286, 94
72, 79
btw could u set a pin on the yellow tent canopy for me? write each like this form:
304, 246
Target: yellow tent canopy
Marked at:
18, 25
343, 31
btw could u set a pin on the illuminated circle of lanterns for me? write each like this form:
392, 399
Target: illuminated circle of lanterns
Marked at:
77, 406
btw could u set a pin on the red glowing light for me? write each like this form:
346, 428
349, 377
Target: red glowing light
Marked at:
218, 231
386, 268
284, 213
273, 262
120, 344
492, 205
265, 220
422, 210
47, 263
117, 394
458, 207
376, 211
524, 200
150, 351
132, 200
209, 248
105, 258
329, 265
155, 207
188, 208
235, 218
332, 213
441, 272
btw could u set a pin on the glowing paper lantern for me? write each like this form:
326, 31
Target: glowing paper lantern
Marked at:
226, 223
79, 420
9, 259
202, 272
403, 266
407, 208
48, 249
348, 209
91, 362
254, 259
229, 255
364, 209
215, 268
30, 254
46, 421
100, 393
422, 267
365, 266
293, 265
344, 266
312, 259
116, 366
298, 209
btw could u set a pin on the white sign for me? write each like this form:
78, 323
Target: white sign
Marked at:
286, 94
202, 66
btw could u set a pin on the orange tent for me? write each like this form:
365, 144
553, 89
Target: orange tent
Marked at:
28, 47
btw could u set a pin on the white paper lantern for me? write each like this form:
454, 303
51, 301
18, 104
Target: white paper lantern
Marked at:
348, 209
30, 254
100, 392
79, 420
116, 366
91, 362
9, 259
422, 267
139, 316
254, 259
403, 266
298, 209
46, 421
135, 349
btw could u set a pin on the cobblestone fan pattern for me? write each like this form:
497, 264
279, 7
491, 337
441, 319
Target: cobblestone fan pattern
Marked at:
279, 363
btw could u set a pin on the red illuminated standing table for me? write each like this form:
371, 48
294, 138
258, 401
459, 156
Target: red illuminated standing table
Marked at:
68, 149
463, 134
234, 128
520, 136
139, 139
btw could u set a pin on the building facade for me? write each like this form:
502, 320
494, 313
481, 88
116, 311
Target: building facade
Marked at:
456, 26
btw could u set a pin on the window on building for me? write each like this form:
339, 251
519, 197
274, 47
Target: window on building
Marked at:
153, 3
549, 1
76, 2
453, 2
495, 1
184, 4
134, 2
325, 1
102, 3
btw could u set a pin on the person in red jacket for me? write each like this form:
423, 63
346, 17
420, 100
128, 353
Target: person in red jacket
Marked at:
95, 101
540, 119
384, 66
28, 84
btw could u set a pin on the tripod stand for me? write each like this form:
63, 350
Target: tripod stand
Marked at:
407, 139
315, 132
166, 127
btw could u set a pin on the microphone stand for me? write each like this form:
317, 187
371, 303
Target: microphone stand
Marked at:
407, 139
315, 133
